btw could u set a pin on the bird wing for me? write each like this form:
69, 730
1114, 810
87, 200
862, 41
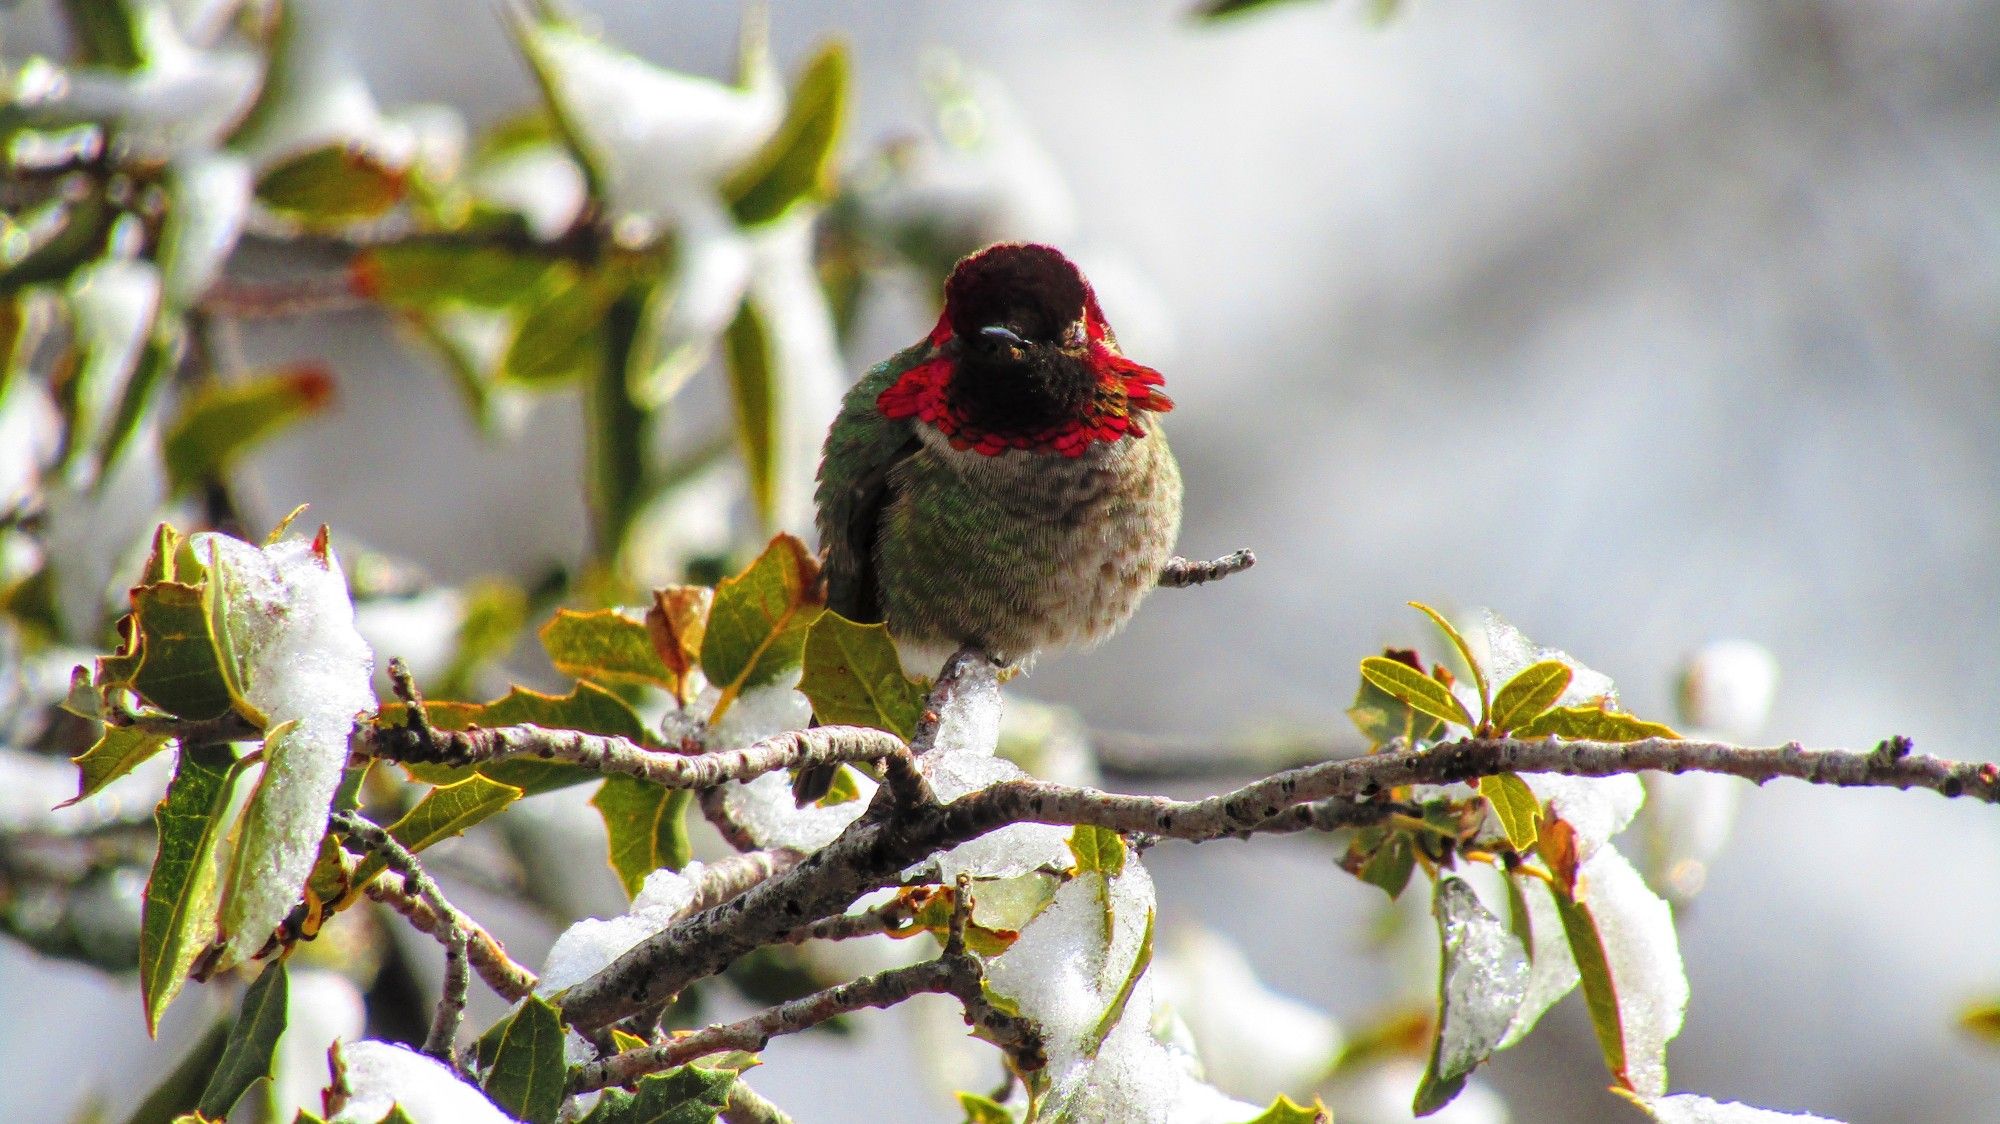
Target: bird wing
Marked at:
854, 486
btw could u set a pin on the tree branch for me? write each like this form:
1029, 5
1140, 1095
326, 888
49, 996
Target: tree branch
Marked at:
1182, 573
508, 979
451, 1000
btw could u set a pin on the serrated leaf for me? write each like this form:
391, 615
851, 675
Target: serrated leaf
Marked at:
645, 826
528, 1073
1483, 977
1590, 723
117, 751
758, 623
984, 1110
332, 185
1533, 689
1285, 1110
587, 707
1465, 653
1413, 687
797, 162
689, 1095
169, 655
215, 428
675, 624
252, 1046
1514, 803
427, 274
753, 385
854, 677
605, 646
178, 918
1097, 849
182, 1086
1382, 717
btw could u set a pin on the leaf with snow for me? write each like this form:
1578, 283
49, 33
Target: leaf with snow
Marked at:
179, 915
372, 1079
1552, 971
797, 162
169, 655
113, 305
1622, 937
588, 708
1686, 1108
1484, 976
645, 826
208, 199
526, 1073
1250, 1038
1530, 692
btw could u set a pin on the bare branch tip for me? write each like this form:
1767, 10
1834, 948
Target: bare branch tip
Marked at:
1184, 573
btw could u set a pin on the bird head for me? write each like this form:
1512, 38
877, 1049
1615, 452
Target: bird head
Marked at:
1021, 358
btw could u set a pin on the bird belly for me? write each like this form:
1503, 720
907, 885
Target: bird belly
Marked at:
1024, 552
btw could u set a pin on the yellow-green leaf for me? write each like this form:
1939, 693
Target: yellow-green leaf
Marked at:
1285, 1110
983, 1110
757, 626
561, 330
117, 751
1415, 688
1097, 849
213, 430
1515, 804
753, 384
1590, 723
605, 646
443, 812
527, 1074
797, 162
1533, 689
252, 1045
1464, 653
854, 678
1382, 717
178, 918
645, 826
333, 185
169, 655
1599, 992
426, 274
1982, 1020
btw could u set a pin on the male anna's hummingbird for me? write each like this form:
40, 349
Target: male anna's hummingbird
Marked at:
1003, 482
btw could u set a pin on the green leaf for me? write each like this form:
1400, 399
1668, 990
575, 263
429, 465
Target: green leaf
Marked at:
178, 918
1483, 978
169, 655
561, 331
1514, 802
528, 1073
1284, 1110
1599, 993
424, 275
1097, 849
1116, 1010
1413, 687
689, 1095
333, 185
1382, 717
442, 813
646, 826
797, 162
854, 678
117, 751
107, 33
588, 708
984, 1110
1533, 690
215, 428
757, 626
1590, 723
181, 1088
605, 646
253, 1043
753, 384
842, 789
1464, 653
1389, 867
1226, 9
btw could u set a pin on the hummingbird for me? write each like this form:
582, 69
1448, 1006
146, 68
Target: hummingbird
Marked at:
1003, 482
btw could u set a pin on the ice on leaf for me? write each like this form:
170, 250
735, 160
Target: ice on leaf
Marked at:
1485, 978
764, 806
960, 761
1686, 1108
373, 1077
1503, 652
1552, 971
1596, 807
1642, 951
305, 668
587, 947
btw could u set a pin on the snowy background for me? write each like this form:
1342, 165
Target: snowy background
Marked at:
1642, 322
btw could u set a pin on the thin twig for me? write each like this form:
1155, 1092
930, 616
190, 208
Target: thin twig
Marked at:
508, 979
451, 1001
1181, 573
416, 716
715, 808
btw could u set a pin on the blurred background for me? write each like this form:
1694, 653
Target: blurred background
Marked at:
1643, 323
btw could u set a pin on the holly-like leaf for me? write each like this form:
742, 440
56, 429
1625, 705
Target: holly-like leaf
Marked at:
1590, 723
178, 918
1413, 687
333, 185
1533, 689
1382, 717
252, 1046
675, 624
646, 827
753, 384
527, 1070
117, 751
604, 646
1515, 804
797, 162
930, 909
424, 275
587, 707
169, 654
1285, 1110
1465, 653
689, 1095
444, 812
1483, 978
1097, 850
757, 626
854, 678
216, 427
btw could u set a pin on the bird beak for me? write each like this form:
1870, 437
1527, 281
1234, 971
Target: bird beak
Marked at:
999, 337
